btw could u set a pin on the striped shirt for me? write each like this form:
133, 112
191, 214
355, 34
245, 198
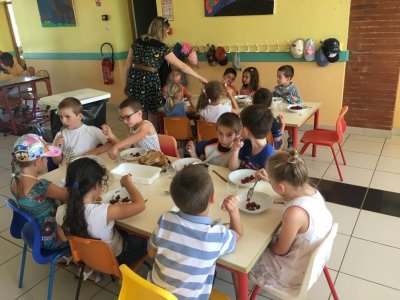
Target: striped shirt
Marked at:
187, 248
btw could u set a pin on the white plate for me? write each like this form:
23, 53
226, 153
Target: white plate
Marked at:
238, 175
140, 173
127, 154
122, 192
179, 164
289, 108
264, 200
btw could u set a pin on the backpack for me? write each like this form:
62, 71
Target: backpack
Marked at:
220, 56
186, 48
177, 49
309, 50
211, 56
236, 61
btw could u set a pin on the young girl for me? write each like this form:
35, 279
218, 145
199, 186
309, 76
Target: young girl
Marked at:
250, 80
176, 77
86, 217
305, 223
174, 105
36, 196
229, 78
209, 105
141, 132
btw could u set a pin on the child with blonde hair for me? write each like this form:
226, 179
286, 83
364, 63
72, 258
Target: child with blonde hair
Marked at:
174, 105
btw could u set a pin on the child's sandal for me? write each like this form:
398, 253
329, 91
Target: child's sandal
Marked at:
87, 276
64, 261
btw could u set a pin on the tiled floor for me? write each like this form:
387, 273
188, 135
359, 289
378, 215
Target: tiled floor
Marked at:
366, 254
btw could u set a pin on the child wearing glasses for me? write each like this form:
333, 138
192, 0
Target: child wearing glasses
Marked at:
141, 133
75, 138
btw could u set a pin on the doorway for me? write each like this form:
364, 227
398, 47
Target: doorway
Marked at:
14, 32
143, 13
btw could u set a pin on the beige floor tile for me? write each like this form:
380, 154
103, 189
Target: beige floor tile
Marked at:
359, 160
105, 295
5, 162
324, 154
394, 140
374, 262
389, 164
7, 235
378, 228
391, 150
338, 251
5, 177
224, 274
5, 217
315, 168
345, 216
352, 288
386, 181
8, 250
5, 193
320, 290
363, 146
7, 142
366, 138
351, 175
225, 287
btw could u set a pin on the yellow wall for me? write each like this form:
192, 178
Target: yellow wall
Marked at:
6, 44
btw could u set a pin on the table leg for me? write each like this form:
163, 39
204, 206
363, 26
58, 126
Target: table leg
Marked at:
243, 282
9, 112
316, 120
294, 137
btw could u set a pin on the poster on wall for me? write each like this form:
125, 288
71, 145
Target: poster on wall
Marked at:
56, 13
216, 8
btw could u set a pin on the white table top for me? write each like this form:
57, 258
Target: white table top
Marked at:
299, 118
258, 228
84, 95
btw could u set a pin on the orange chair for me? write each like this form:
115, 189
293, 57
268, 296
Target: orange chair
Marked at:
328, 138
168, 145
206, 130
178, 127
270, 138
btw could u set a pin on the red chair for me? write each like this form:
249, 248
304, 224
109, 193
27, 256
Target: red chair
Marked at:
168, 145
328, 138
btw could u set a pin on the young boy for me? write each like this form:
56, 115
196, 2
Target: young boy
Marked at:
186, 243
217, 151
264, 96
229, 78
253, 152
75, 138
287, 90
141, 132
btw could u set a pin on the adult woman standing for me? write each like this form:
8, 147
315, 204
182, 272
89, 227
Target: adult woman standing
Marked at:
144, 59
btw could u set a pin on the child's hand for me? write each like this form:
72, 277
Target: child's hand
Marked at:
280, 119
229, 204
106, 129
237, 144
59, 141
126, 180
191, 148
113, 152
262, 175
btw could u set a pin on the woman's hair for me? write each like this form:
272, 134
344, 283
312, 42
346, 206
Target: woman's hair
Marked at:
254, 79
83, 175
289, 167
15, 165
210, 93
157, 29
173, 95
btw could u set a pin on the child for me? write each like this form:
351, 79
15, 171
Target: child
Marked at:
36, 196
141, 132
209, 105
264, 96
186, 243
305, 223
229, 78
250, 80
86, 217
176, 77
217, 151
254, 151
75, 138
287, 90
174, 105
8, 64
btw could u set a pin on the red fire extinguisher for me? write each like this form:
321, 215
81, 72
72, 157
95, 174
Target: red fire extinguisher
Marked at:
107, 65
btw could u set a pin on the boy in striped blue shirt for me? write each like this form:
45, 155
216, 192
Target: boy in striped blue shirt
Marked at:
186, 244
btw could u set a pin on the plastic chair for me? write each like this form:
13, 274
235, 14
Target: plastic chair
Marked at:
135, 287
94, 253
24, 226
206, 130
322, 137
178, 127
315, 266
270, 138
168, 145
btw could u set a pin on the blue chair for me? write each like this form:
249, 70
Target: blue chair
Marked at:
25, 227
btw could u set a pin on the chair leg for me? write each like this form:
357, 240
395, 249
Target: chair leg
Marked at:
51, 278
21, 272
337, 164
256, 290
78, 290
341, 152
304, 148
330, 283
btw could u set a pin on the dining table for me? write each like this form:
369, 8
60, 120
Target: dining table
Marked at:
11, 82
259, 228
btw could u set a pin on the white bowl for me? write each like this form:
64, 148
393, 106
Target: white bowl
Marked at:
243, 99
179, 164
128, 154
290, 108
238, 175
140, 173
276, 101
122, 192
264, 200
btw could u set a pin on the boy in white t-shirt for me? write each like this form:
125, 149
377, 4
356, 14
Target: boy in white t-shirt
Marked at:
75, 138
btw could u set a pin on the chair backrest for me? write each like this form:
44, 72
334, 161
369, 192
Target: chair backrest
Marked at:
178, 127
341, 125
43, 73
206, 130
135, 287
31, 71
318, 260
168, 145
270, 138
94, 253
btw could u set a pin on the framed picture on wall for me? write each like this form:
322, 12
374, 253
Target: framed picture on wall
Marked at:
56, 13
216, 8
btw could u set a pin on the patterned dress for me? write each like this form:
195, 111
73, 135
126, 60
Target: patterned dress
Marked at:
43, 210
143, 85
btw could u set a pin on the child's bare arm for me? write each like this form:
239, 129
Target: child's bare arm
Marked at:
151, 251
230, 205
108, 132
281, 121
56, 192
191, 148
58, 159
234, 161
100, 149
